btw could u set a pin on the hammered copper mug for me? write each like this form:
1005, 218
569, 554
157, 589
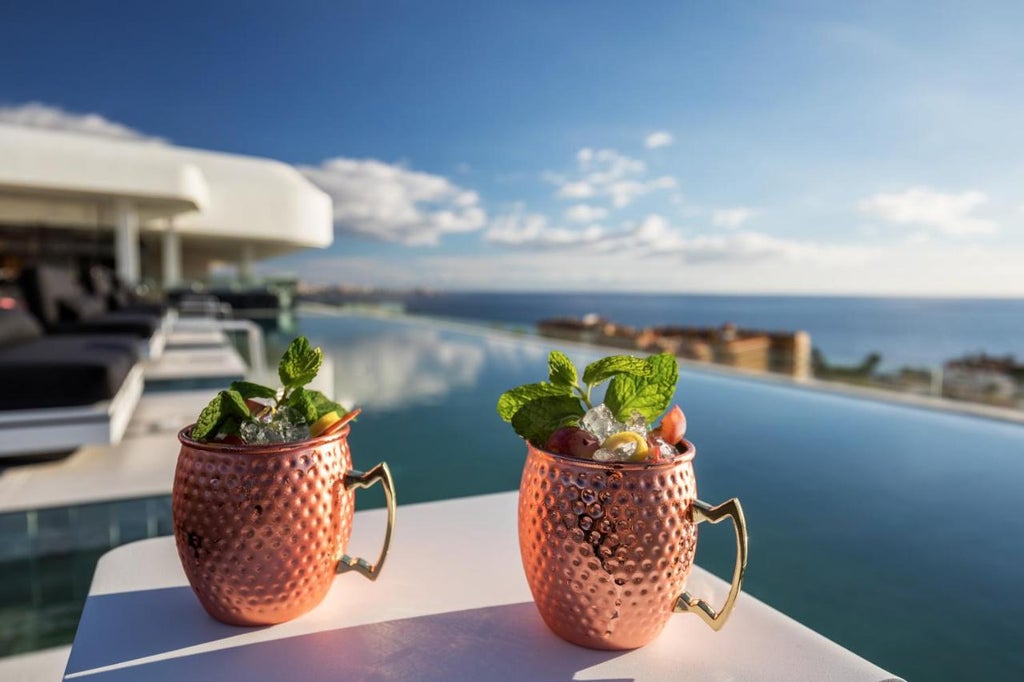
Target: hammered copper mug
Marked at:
607, 547
262, 530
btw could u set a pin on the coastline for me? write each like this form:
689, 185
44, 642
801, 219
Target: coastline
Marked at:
511, 332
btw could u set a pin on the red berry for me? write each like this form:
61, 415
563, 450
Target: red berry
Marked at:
574, 441
254, 406
673, 426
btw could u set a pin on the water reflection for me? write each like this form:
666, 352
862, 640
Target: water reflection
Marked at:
402, 367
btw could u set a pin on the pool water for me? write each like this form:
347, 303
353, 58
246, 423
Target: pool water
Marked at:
892, 530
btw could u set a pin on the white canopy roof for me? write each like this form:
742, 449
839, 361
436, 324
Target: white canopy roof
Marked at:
67, 179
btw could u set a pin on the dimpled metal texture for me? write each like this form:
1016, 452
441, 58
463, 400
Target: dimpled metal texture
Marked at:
259, 529
606, 547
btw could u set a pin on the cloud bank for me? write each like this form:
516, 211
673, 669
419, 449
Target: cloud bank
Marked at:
731, 218
655, 236
39, 115
391, 203
606, 174
946, 213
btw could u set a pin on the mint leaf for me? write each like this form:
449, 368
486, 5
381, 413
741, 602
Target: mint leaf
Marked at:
512, 401
233, 404
209, 418
247, 390
322, 404
649, 395
302, 402
300, 363
606, 368
561, 371
536, 419
230, 426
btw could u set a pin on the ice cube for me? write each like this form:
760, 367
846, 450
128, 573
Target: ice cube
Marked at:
602, 455
284, 425
291, 433
625, 451
637, 423
255, 433
601, 422
667, 451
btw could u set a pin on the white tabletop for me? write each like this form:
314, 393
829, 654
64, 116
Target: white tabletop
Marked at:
451, 604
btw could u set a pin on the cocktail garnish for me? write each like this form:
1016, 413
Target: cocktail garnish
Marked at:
241, 415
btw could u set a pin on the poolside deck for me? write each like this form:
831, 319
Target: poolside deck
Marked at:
451, 604
141, 465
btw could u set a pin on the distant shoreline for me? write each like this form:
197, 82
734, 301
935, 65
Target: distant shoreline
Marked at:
386, 294
508, 331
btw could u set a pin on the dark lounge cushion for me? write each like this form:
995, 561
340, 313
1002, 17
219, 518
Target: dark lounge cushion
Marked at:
79, 309
44, 287
141, 326
144, 308
101, 282
17, 326
64, 371
57, 299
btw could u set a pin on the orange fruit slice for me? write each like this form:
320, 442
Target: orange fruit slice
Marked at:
323, 423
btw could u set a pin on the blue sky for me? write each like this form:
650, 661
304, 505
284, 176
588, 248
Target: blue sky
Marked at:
751, 147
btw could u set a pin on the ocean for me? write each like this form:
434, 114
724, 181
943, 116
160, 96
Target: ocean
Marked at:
917, 332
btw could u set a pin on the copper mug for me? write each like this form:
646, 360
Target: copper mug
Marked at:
607, 547
262, 530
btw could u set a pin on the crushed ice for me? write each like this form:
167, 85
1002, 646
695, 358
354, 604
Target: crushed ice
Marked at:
284, 425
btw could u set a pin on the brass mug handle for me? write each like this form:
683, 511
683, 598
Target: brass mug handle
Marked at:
357, 479
702, 511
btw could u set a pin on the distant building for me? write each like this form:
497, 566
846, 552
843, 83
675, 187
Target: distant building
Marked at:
984, 378
781, 352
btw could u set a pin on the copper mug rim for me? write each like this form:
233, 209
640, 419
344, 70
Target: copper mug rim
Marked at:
686, 455
185, 438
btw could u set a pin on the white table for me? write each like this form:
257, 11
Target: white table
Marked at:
451, 604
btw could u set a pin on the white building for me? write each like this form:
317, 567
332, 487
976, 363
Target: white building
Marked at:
161, 213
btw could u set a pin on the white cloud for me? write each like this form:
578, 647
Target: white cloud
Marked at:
731, 218
39, 115
605, 173
392, 203
576, 190
607, 165
654, 236
520, 229
819, 269
659, 138
625, 192
585, 213
947, 213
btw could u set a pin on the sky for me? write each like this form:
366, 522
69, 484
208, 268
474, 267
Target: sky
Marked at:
733, 147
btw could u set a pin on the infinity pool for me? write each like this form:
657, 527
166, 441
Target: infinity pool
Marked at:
892, 530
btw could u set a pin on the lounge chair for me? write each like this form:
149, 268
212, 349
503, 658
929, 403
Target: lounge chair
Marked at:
57, 299
100, 281
61, 392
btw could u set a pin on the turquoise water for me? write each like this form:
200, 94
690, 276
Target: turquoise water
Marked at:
894, 531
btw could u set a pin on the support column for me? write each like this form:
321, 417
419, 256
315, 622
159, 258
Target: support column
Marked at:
170, 253
245, 260
126, 241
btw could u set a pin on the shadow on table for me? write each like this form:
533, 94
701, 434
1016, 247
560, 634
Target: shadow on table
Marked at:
498, 643
124, 626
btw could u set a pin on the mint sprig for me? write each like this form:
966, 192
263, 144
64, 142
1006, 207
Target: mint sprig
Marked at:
644, 385
228, 410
